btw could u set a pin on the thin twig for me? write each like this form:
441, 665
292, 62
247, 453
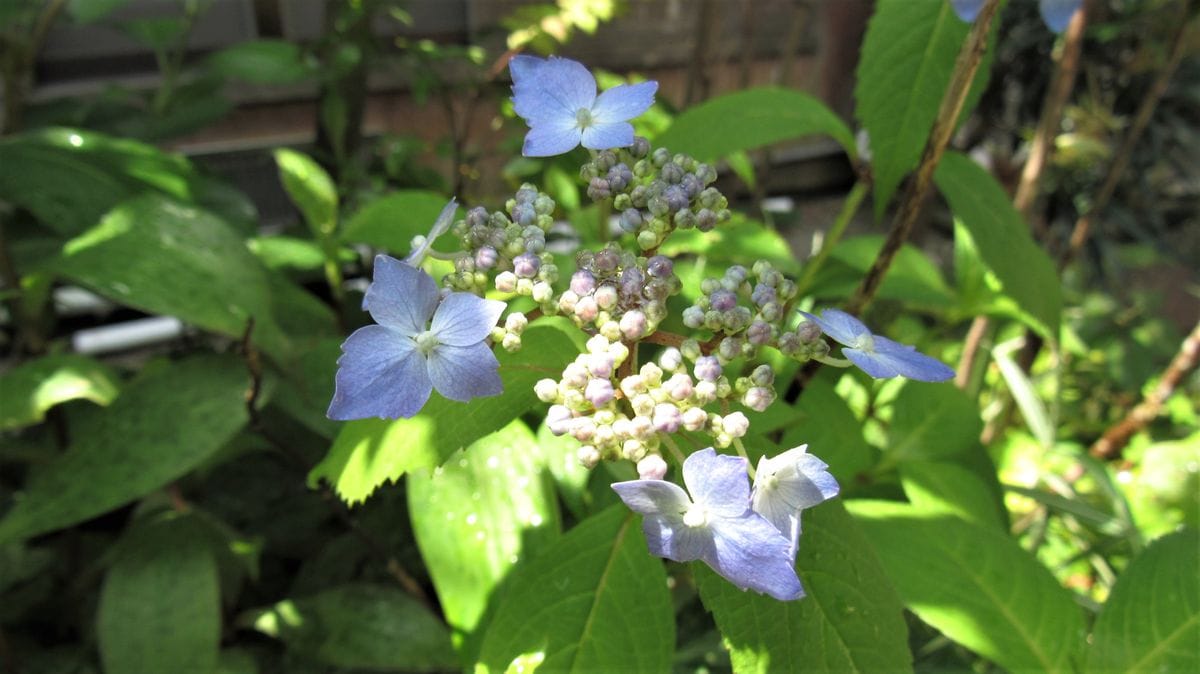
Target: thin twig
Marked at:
1110, 444
939, 137
254, 367
1083, 225
1066, 69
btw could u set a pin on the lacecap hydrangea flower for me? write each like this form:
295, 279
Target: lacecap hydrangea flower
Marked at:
787, 484
557, 97
1055, 13
715, 525
878, 356
422, 342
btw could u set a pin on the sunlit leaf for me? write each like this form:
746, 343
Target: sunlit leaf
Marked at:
976, 585
851, 621
477, 514
27, 391
1151, 621
311, 190
595, 600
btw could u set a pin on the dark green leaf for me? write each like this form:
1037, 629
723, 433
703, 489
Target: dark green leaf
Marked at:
475, 516
27, 391
828, 426
1151, 621
750, 119
912, 278
390, 223
161, 426
851, 620
360, 626
593, 601
932, 421
262, 62
370, 452
91, 11
948, 488
1025, 273
160, 606
165, 257
907, 59
976, 585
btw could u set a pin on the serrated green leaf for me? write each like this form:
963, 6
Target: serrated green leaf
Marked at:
595, 600
948, 488
850, 621
311, 190
370, 452
160, 427
390, 222
477, 514
932, 421
27, 391
1003, 242
907, 59
750, 119
1151, 621
262, 62
360, 626
166, 257
160, 605
976, 585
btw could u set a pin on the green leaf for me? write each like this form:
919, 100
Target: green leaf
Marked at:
943, 487
311, 190
932, 421
1151, 621
165, 257
750, 119
475, 516
262, 62
91, 11
27, 391
912, 278
850, 621
906, 63
390, 223
562, 188
160, 605
1033, 411
594, 601
831, 431
370, 452
740, 241
161, 426
1025, 273
976, 585
287, 252
360, 626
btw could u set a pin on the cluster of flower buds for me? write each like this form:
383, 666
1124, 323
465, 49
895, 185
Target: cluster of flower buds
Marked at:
655, 193
618, 294
507, 249
616, 415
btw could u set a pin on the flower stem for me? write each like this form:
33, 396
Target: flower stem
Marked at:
918, 188
674, 449
849, 208
741, 450
830, 360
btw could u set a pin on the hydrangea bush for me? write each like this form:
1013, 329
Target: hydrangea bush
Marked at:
608, 422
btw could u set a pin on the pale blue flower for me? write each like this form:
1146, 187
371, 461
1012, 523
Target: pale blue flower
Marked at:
420, 343
878, 356
557, 97
787, 484
1056, 13
714, 525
